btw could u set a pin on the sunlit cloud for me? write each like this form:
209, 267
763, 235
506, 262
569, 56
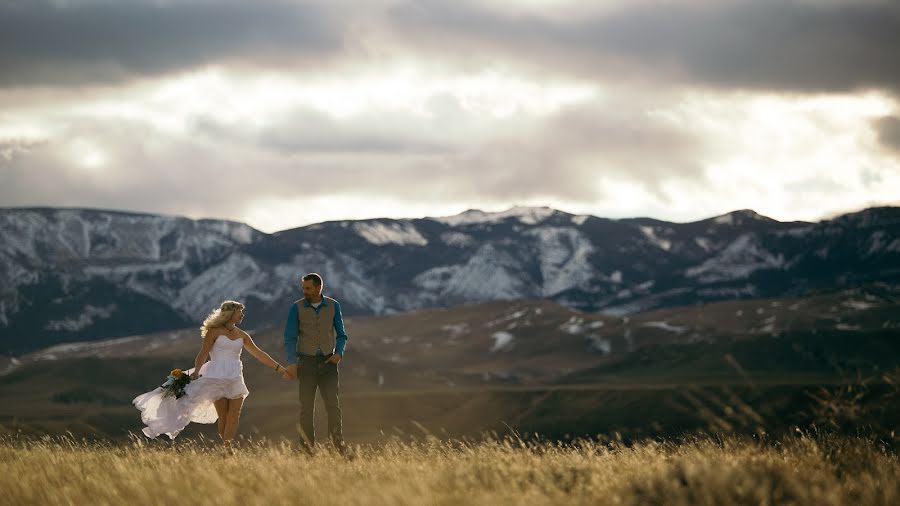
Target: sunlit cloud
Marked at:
398, 109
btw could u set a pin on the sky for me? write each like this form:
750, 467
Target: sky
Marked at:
281, 114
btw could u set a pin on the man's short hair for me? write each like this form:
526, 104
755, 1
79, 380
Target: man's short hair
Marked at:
314, 277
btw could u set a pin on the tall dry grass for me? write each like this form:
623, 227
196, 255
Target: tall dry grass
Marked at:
816, 469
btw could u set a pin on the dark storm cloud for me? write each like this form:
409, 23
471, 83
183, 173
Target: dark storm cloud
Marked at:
49, 43
889, 132
759, 44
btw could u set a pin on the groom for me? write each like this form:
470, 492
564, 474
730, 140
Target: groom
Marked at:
314, 340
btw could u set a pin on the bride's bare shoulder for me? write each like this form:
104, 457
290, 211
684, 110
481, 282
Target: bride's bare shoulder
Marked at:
212, 333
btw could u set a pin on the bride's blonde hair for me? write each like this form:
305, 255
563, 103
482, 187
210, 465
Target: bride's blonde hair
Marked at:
221, 316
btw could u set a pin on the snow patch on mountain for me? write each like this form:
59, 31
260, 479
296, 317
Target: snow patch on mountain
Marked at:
490, 274
14, 277
343, 272
238, 276
122, 271
525, 215
740, 259
511, 319
665, 326
704, 243
725, 219
143, 278
17, 233
747, 290
576, 325
349, 274
88, 316
881, 242
237, 232
564, 255
400, 233
740, 217
599, 343
458, 239
650, 233
502, 341
859, 305
580, 219
61, 237
456, 329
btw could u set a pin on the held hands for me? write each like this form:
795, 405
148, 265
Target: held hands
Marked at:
290, 372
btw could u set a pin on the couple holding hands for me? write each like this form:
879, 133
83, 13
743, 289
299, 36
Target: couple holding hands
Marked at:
314, 343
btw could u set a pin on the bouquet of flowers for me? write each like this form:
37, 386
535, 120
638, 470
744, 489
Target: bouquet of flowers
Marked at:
175, 383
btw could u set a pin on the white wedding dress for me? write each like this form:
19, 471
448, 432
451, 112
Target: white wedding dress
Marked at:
222, 376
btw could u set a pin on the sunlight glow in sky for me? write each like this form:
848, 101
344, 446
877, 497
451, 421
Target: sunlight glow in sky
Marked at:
294, 114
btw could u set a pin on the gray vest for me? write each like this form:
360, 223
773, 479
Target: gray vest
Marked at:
316, 329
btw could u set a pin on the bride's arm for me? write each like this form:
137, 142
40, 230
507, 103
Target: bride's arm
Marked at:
204, 352
259, 354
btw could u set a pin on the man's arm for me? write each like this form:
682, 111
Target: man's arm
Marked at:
341, 335
291, 330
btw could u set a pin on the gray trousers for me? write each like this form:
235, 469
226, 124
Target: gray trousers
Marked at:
313, 373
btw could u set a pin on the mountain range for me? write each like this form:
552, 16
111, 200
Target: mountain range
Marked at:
82, 274
533, 365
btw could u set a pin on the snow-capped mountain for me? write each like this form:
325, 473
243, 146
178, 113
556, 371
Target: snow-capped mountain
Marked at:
71, 274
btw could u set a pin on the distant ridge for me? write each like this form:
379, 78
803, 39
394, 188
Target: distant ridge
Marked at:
80, 274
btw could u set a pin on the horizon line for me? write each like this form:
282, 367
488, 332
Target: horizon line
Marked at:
825, 217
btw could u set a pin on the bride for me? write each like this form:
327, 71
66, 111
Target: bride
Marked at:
217, 391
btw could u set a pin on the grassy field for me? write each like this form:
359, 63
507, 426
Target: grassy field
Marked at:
817, 469
804, 417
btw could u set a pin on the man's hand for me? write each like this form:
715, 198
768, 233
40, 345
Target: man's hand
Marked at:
291, 371
334, 358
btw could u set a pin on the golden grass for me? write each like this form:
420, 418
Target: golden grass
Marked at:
819, 470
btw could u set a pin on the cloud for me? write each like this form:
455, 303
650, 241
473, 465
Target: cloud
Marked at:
86, 42
306, 156
761, 44
793, 45
564, 152
572, 154
888, 129
582, 159
678, 110
304, 131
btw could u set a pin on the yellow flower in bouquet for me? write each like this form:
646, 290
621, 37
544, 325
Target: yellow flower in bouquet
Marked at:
175, 383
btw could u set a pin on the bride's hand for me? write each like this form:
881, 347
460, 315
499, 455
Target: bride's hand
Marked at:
194, 375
